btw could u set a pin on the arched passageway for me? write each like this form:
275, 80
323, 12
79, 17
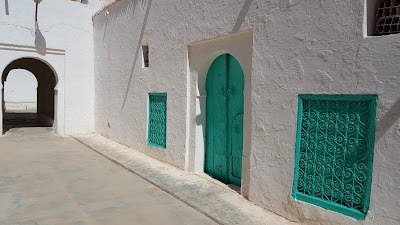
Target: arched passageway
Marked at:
46, 82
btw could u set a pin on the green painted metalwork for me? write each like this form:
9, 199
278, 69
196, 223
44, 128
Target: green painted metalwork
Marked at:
224, 130
157, 120
334, 152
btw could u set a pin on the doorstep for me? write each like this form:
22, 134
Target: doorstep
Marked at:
217, 201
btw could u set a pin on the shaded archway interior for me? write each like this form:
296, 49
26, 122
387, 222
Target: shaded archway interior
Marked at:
45, 96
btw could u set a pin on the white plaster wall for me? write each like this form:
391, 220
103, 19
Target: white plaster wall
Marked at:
66, 27
20, 91
122, 85
298, 47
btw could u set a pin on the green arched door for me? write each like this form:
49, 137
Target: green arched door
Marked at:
224, 126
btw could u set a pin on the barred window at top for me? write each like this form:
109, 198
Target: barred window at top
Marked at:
388, 17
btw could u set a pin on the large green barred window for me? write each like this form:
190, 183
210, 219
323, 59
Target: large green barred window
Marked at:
334, 152
157, 120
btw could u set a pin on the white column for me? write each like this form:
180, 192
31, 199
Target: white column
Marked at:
1, 107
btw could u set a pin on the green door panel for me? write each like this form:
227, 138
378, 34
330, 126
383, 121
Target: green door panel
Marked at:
234, 117
224, 142
216, 154
235, 158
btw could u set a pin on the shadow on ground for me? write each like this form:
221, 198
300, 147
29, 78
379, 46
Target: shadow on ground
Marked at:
18, 120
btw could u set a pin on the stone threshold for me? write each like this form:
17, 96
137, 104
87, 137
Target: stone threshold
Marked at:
218, 202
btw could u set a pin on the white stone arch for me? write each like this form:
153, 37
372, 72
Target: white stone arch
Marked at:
55, 61
36, 58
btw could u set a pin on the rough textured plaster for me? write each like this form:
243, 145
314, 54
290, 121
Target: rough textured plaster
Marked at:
313, 46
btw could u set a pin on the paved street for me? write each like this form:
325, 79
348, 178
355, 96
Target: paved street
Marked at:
51, 180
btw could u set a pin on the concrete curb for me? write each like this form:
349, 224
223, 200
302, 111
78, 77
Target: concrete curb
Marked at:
221, 204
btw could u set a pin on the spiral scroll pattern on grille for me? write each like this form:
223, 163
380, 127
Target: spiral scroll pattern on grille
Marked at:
334, 151
157, 120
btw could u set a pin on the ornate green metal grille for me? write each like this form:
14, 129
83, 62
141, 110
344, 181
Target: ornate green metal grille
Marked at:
157, 120
334, 152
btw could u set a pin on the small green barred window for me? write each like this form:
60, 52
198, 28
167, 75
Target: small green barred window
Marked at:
334, 152
157, 120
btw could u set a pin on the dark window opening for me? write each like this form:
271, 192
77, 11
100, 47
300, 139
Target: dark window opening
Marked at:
145, 50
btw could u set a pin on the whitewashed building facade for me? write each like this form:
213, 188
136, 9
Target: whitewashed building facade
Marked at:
317, 120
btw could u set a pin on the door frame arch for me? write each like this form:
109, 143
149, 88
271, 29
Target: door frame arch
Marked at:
200, 57
55, 60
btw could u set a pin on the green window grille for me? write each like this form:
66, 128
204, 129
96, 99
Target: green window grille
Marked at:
334, 152
157, 120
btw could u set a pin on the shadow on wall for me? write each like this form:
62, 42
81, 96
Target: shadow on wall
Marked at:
6, 6
387, 120
242, 16
137, 51
128, 9
40, 41
116, 12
